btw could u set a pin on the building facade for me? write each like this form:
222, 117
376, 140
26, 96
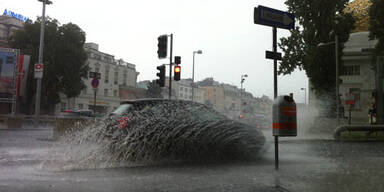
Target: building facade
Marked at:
183, 90
115, 75
8, 25
358, 76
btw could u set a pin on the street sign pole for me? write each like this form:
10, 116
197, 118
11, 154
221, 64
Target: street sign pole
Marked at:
95, 85
276, 19
94, 101
38, 88
274, 31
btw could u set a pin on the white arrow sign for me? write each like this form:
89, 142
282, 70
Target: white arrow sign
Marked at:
275, 18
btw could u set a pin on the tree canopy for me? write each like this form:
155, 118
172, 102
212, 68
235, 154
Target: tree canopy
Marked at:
360, 12
154, 90
376, 23
64, 60
319, 21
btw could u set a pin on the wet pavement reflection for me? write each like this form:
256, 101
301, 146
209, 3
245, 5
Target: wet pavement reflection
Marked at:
30, 162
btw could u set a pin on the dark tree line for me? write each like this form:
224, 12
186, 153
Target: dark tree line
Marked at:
64, 61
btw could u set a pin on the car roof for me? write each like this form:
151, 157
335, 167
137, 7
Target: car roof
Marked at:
157, 100
142, 101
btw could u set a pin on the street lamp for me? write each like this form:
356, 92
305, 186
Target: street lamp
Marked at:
305, 95
193, 73
41, 48
242, 91
242, 80
336, 42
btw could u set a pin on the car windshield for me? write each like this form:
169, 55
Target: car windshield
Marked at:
122, 109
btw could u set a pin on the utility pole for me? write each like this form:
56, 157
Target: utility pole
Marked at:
41, 49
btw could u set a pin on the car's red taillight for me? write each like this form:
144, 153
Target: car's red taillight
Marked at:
123, 122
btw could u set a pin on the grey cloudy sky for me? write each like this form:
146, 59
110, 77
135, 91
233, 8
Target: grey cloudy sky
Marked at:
223, 29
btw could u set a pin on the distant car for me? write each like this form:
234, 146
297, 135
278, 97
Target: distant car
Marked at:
77, 113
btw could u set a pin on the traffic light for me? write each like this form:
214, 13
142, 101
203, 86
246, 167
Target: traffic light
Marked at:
177, 60
161, 75
177, 71
162, 46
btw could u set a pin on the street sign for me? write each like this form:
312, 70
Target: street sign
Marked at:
95, 83
271, 55
94, 75
273, 17
39, 68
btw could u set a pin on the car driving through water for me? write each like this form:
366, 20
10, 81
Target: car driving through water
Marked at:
153, 129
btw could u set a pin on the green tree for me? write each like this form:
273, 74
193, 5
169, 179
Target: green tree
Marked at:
376, 24
64, 60
318, 21
360, 12
154, 90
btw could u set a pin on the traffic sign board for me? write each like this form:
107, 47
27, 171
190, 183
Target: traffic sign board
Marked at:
272, 55
95, 83
39, 70
273, 17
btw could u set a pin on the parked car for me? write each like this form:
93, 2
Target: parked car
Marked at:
77, 113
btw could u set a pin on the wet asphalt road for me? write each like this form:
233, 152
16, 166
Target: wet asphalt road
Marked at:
305, 165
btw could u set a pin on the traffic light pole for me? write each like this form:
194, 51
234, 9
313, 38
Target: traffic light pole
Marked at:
170, 67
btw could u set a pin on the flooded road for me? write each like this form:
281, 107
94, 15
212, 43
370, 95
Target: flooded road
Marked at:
31, 162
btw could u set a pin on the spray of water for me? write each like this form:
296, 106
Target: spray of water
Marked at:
168, 132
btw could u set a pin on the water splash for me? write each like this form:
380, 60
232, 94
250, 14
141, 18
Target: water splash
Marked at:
170, 131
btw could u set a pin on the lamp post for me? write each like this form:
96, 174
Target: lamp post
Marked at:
305, 95
41, 48
242, 91
336, 42
242, 80
193, 73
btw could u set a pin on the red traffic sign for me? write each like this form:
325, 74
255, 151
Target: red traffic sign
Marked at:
39, 67
38, 73
95, 83
350, 102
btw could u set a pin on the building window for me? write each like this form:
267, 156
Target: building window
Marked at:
106, 92
107, 59
96, 56
97, 69
125, 79
114, 93
352, 70
81, 106
106, 76
116, 78
181, 95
